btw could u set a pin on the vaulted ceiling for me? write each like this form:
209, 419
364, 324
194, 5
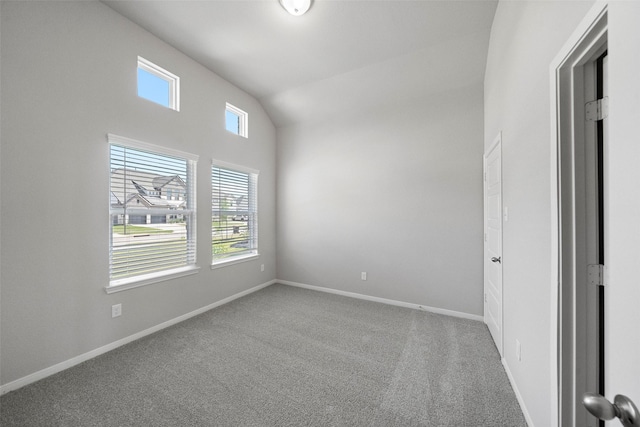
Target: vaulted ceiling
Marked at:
341, 56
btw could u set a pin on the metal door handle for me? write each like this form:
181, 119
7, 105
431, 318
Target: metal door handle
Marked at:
494, 259
622, 407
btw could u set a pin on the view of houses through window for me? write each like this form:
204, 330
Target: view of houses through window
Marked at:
234, 216
152, 198
152, 212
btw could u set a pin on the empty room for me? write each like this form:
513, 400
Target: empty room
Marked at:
319, 212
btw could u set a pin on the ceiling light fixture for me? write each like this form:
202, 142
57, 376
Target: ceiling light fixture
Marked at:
296, 7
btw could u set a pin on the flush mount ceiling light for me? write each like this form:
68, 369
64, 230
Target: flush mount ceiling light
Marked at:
296, 7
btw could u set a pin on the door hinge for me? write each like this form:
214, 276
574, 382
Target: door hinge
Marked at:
485, 237
595, 274
597, 110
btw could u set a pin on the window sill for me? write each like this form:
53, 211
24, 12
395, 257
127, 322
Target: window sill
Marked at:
232, 261
148, 279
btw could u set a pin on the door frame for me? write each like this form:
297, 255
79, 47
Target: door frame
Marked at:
495, 145
567, 233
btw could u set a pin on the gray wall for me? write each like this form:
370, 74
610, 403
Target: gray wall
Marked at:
525, 38
68, 79
395, 192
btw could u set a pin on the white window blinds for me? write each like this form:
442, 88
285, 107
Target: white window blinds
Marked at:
152, 211
234, 194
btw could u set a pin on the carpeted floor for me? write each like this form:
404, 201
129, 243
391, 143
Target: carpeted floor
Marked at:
285, 356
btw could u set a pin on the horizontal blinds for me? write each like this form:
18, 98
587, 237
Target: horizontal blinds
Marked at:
152, 213
234, 213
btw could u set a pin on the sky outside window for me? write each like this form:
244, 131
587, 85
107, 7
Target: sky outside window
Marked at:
153, 88
232, 122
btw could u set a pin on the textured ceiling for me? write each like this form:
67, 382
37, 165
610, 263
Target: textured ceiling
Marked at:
342, 56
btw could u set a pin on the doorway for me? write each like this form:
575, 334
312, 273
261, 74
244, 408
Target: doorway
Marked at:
621, 152
591, 201
581, 149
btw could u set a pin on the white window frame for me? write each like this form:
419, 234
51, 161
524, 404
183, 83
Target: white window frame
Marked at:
253, 207
117, 285
161, 73
243, 120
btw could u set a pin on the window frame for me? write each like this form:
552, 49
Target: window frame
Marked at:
120, 284
243, 120
169, 77
253, 209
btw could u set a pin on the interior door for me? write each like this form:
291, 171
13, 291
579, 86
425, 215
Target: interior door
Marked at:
493, 241
622, 220
622, 290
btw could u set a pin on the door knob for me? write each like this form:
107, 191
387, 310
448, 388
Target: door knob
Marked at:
494, 259
622, 407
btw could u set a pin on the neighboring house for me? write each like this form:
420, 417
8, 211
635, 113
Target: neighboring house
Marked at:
144, 190
235, 206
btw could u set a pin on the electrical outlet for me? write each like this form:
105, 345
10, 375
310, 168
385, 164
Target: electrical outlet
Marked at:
261, 267
116, 310
518, 351
363, 275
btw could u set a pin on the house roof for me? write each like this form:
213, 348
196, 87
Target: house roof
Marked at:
144, 189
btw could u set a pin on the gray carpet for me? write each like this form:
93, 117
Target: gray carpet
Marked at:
285, 356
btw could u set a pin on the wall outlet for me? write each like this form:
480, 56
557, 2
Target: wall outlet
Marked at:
261, 267
363, 275
518, 351
116, 310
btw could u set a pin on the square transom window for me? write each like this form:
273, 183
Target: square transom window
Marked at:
236, 121
158, 85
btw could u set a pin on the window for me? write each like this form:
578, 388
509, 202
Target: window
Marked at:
158, 85
234, 216
236, 121
152, 213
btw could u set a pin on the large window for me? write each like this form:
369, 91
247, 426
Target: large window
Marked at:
152, 213
234, 216
158, 85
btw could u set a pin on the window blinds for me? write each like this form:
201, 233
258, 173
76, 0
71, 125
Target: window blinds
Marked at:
152, 211
234, 213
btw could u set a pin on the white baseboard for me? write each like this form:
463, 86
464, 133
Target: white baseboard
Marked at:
385, 301
36, 376
527, 417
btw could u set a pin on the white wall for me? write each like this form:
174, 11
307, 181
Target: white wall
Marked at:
525, 37
395, 192
68, 79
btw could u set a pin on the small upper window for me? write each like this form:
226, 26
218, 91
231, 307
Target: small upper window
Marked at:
236, 121
158, 85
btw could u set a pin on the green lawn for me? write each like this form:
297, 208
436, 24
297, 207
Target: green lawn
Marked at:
222, 243
134, 229
223, 249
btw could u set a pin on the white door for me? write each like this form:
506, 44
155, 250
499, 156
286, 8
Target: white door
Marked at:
616, 24
622, 292
622, 288
493, 241
620, 216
